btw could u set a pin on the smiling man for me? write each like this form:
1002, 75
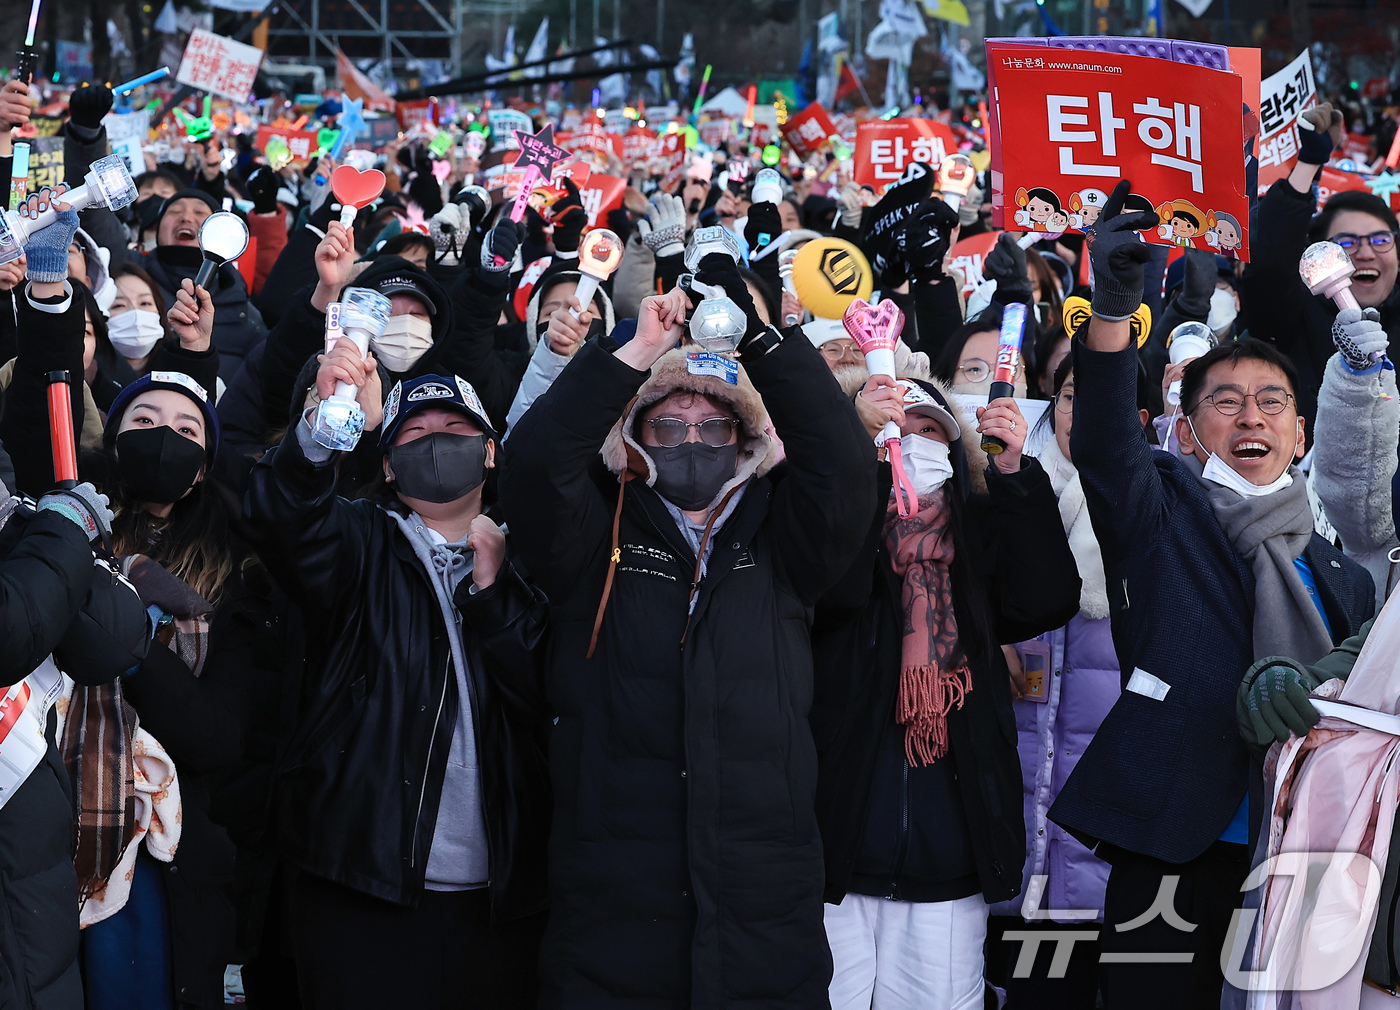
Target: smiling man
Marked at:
1274, 302
1211, 564
238, 326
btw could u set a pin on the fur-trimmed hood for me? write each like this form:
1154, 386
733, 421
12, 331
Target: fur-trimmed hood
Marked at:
758, 452
550, 278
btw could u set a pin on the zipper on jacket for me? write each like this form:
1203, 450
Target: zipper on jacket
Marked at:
902, 848
423, 787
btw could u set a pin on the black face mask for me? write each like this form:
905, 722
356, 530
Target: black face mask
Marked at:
186, 256
689, 475
158, 465
440, 467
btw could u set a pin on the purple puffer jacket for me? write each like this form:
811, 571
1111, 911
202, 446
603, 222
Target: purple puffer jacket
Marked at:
1084, 684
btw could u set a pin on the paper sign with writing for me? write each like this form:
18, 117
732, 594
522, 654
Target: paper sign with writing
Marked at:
1068, 124
1282, 99
637, 143
885, 146
714, 132
673, 153
218, 65
807, 131
46, 162
127, 132
416, 113
303, 144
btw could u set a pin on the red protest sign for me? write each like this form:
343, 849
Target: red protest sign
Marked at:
302, 143
885, 146
1067, 125
968, 255
1335, 180
674, 154
590, 138
637, 143
413, 113
602, 194
714, 132
807, 131
503, 180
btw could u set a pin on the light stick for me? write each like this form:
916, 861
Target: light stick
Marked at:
136, 82
598, 256
876, 329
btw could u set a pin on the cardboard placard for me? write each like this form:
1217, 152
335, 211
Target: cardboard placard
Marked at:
673, 152
219, 65
1283, 97
969, 254
415, 113
885, 146
1067, 125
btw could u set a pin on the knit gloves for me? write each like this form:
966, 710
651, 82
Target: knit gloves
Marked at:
46, 252
1358, 334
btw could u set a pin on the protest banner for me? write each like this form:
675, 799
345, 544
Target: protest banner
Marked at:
1335, 180
302, 143
884, 147
637, 144
968, 255
46, 162
1283, 97
416, 113
716, 131
127, 132
602, 194
807, 131
1067, 125
219, 66
673, 152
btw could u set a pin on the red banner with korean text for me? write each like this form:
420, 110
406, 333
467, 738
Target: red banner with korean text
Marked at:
637, 144
590, 138
302, 143
885, 146
714, 132
673, 154
1334, 180
420, 111
1068, 124
807, 131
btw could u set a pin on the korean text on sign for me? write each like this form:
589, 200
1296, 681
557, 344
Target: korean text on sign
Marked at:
884, 147
1067, 125
218, 65
1282, 99
808, 130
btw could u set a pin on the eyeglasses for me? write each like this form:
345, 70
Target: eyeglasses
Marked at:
1381, 241
974, 369
672, 431
1064, 401
1270, 400
835, 350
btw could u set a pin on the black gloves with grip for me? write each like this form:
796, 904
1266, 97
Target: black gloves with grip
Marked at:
1117, 254
764, 225
88, 104
1278, 704
1199, 285
499, 246
1006, 264
718, 268
569, 218
263, 185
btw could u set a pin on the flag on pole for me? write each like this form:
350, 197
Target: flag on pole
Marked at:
356, 84
846, 82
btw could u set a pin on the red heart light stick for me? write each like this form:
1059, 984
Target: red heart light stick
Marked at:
876, 329
355, 189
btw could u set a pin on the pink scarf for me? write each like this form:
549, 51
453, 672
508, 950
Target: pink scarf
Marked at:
933, 675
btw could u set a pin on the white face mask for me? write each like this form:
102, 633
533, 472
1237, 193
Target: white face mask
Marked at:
403, 342
1217, 471
135, 332
1222, 311
926, 463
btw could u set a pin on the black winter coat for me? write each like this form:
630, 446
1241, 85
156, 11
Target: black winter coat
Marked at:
685, 861
238, 327
356, 798
1012, 569
48, 583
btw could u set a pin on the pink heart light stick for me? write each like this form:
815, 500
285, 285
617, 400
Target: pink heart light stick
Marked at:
876, 329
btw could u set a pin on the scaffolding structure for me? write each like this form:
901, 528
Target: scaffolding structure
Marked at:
393, 32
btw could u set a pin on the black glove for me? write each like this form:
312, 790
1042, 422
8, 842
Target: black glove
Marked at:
923, 241
499, 246
764, 225
88, 104
620, 223
157, 587
1006, 264
1117, 254
1315, 145
1194, 300
718, 268
263, 185
569, 219
534, 228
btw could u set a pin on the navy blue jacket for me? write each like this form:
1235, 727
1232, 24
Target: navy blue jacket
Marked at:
1164, 778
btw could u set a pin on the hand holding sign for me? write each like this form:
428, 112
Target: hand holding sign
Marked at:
538, 156
355, 189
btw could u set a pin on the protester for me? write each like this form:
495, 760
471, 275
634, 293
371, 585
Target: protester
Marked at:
238, 326
1275, 302
918, 782
421, 629
680, 573
1217, 540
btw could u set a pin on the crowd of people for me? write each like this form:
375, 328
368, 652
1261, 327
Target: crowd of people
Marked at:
608, 670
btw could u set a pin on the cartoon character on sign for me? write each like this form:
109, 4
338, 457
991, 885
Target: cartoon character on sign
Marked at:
1227, 236
1183, 222
1038, 207
1085, 207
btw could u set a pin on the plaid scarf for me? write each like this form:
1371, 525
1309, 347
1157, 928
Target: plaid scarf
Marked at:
99, 726
933, 675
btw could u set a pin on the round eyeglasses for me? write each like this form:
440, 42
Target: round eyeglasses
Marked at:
672, 431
